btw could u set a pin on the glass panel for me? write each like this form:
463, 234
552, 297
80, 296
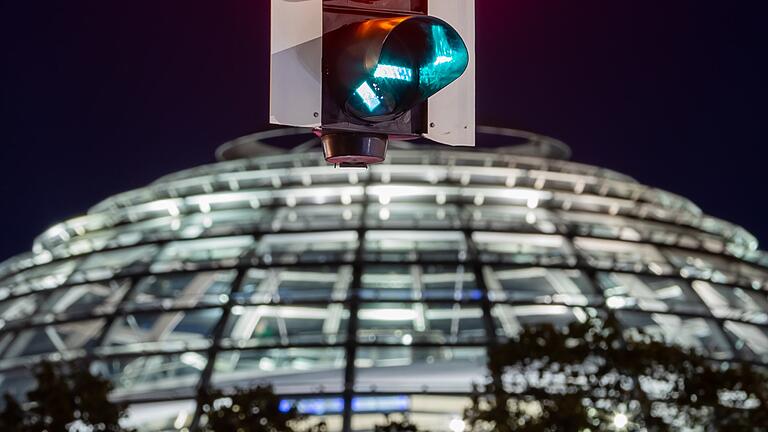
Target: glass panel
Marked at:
154, 376
318, 217
733, 303
83, 244
702, 266
510, 218
16, 309
751, 341
523, 248
753, 276
427, 412
399, 246
430, 282
288, 370
49, 339
510, 320
87, 299
412, 369
220, 223
194, 254
308, 247
649, 293
618, 255
295, 284
412, 215
448, 282
696, 333
539, 285
388, 282
43, 277
270, 325
182, 290
164, 331
105, 265
159, 416
406, 323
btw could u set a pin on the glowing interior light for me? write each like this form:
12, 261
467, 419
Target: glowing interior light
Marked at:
393, 72
620, 421
368, 96
442, 59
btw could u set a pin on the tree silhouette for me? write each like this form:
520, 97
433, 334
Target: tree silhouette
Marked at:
589, 377
256, 409
395, 426
66, 395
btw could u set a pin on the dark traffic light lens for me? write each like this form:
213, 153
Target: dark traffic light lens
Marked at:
405, 61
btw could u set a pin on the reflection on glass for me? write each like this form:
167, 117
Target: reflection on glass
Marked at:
523, 248
55, 338
406, 323
539, 285
399, 246
751, 341
308, 247
416, 282
288, 370
628, 291
159, 416
42, 277
622, 256
11, 310
702, 266
105, 265
294, 284
94, 298
165, 331
699, 334
419, 369
732, 302
149, 375
195, 254
271, 325
181, 290
510, 320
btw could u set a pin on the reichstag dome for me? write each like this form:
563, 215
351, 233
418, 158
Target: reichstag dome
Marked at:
383, 286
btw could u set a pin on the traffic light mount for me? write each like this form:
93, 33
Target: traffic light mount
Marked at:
360, 72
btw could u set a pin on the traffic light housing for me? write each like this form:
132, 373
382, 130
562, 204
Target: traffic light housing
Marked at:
381, 62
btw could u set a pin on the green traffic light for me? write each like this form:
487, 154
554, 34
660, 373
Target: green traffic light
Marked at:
419, 56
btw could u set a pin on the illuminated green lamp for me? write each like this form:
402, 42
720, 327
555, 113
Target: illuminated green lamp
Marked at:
388, 66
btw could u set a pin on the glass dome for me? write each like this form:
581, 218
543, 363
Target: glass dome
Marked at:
382, 287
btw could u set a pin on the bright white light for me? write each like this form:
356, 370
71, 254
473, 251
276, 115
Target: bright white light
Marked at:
442, 59
368, 96
620, 421
456, 425
407, 339
393, 72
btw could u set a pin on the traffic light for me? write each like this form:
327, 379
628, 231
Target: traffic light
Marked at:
381, 61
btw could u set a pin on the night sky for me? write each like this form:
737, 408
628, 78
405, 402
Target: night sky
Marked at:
102, 96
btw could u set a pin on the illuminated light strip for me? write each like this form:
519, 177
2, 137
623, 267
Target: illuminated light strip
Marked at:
393, 72
368, 96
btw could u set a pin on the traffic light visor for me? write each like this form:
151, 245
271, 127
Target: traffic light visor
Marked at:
406, 60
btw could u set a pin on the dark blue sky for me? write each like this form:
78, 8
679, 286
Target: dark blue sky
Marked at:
102, 96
